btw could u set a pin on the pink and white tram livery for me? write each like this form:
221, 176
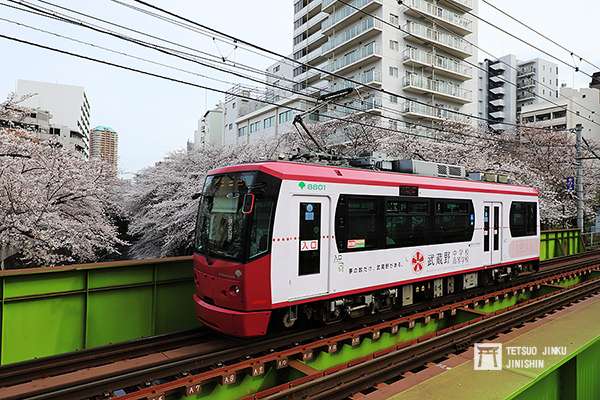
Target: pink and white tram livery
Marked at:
278, 242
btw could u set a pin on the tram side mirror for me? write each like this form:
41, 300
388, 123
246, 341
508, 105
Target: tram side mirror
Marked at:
248, 204
196, 196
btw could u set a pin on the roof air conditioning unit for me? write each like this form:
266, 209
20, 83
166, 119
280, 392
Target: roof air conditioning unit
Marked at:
429, 168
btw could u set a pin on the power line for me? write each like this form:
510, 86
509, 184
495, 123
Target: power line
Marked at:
122, 53
163, 77
480, 68
540, 34
381, 90
162, 49
576, 68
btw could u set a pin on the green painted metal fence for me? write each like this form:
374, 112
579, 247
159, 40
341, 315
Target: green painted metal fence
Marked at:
560, 243
48, 311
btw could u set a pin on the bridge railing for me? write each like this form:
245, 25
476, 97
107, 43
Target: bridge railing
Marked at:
560, 243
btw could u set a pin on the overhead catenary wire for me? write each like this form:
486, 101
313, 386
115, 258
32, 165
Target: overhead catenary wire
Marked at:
180, 81
571, 52
574, 67
389, 118
477, 66
486, 138
323, 71
284, 57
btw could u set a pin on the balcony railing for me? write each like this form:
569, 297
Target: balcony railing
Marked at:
432, 112
435, 60
352, 32
436, 85
441, 13
445, 39
365, 78
353, 57
344, 13
357, 106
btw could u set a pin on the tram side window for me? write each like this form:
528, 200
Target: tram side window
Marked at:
361, 232
407, 223
453, 221
523, 219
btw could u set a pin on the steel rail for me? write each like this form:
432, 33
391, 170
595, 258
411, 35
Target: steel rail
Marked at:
13, 374
348, 381
252, 354
29, 371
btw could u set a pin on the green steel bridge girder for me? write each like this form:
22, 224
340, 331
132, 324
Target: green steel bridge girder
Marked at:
49, 311
54, 310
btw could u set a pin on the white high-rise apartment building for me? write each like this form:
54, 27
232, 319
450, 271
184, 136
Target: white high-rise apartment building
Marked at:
69, 107
425, 61
507, 85
537, 80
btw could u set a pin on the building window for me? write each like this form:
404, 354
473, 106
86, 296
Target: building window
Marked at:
394, 99
233, 105
285, 116
242, 131
230, 126
394, 45
394, 72
268, 122
254, 127
55, 131
394, 20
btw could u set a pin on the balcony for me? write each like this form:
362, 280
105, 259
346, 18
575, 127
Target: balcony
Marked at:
498, 90
421, 111
465, 5
498, 103
308, 9
346, 15
423, 34
371, 105
498, 79
358, 58
369, 78
449, 19
442, 65
525, 83
360, 31
443, 89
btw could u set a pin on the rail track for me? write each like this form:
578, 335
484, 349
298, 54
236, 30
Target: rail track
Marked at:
184, 361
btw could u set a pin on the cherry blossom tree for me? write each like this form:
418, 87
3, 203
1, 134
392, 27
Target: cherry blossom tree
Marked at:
163, 213
54, 206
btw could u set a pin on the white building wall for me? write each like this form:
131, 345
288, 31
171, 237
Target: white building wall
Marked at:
68, 105
584, 104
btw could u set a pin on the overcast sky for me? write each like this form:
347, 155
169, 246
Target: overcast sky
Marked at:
154, 117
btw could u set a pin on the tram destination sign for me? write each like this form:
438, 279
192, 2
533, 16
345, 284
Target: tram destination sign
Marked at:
412, 191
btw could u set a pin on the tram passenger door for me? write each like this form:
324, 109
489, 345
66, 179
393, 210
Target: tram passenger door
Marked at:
309, 274
492, 232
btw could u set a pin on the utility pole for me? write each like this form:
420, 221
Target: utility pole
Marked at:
579, 177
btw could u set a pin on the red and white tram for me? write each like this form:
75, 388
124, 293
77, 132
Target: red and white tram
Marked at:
281, 241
